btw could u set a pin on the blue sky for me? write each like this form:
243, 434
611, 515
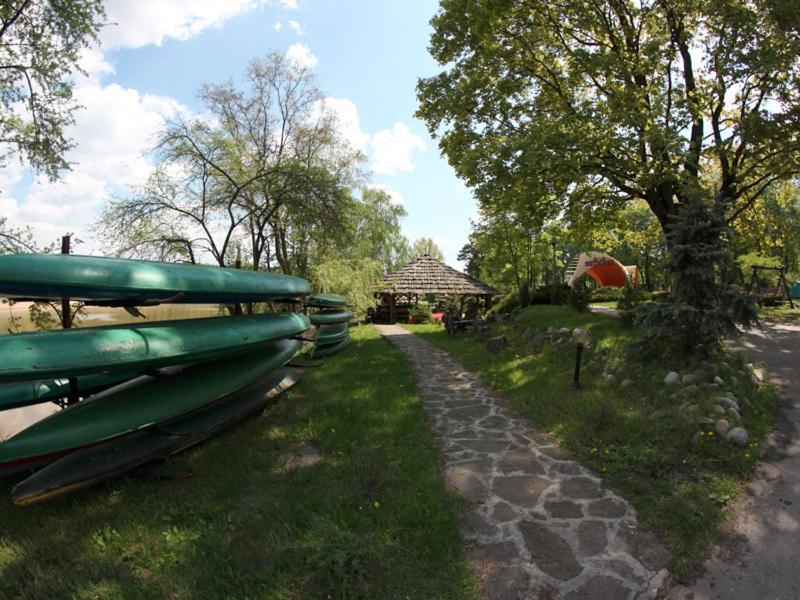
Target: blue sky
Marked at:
367, 57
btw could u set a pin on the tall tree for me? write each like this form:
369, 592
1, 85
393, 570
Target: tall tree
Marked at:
255, 181
422, 246
594, 103
40, 43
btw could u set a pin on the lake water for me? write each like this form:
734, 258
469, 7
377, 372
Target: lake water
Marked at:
15, 420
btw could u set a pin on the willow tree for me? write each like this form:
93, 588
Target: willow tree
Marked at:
590, 104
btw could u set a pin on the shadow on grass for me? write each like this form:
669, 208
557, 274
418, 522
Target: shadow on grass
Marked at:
371, 519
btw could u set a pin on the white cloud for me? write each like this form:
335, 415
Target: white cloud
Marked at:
136, 23
277, 26
392, 148
396, 196
347, 121
296, 27
301, 55
112, 132
289, 4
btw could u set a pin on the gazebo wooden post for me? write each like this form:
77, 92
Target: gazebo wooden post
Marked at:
392, 308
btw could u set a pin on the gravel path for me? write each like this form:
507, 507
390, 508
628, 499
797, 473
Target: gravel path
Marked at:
758, 558
541, 526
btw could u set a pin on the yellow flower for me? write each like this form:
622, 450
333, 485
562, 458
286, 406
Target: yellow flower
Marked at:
702, 433
710, 433
747, 455
593, 450
333, 430
376, 504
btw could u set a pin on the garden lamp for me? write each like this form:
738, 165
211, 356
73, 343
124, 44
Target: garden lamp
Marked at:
582, 337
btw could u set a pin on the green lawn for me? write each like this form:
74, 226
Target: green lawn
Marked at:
372, 520
782, 313
680, 489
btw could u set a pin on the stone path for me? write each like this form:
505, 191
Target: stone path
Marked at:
541, 526
759, 555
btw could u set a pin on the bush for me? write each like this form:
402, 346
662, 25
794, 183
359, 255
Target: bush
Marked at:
421, 313
630, 297
606, 294
660, 296
541, 295
505, 304
578, 297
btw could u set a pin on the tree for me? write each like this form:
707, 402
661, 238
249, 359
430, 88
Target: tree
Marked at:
586, 105
472, 256
267, 178
40, 44
422, 246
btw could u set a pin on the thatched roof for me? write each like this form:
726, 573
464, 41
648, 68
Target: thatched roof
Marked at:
426, 275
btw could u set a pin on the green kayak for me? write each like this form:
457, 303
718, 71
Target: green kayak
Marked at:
325, 337
120, 455
144, 402
134, 348
15, 395
328, 349
326, 301
329, 317
137, 282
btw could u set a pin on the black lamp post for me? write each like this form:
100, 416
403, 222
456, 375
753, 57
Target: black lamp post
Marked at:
582, 337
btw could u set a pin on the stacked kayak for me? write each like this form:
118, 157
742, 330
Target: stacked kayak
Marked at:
148, 389
332, 324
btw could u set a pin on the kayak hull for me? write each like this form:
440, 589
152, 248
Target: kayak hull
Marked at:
139, 347
145, 402
327, 350
326, 301
137, 282
92, 465
331, 317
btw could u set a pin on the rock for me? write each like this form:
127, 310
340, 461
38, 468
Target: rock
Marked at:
689, 390
721, 427
758, 375
688, 378
626, 383
712, 386
735, 415
738, 436
706, 421
718, 409
729, 403
719, 381
657, 414
497, 344
609, 378
564, 331
672, 378
734, 381
549, 551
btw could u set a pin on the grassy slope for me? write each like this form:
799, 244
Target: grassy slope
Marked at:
372, 520
680, 490
782, 313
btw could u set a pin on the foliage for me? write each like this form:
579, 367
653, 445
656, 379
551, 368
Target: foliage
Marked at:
580, 107
579, 296
353, 278
422, 246
768, 228
373, 232
421, 313
702, 310
630, 297
40, 46
372, 519
504, 305
605, 294
267, 178
472, 256
674, 485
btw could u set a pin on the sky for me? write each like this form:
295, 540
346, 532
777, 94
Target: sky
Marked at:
149, 66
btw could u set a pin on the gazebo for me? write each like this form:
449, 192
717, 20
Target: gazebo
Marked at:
424, 276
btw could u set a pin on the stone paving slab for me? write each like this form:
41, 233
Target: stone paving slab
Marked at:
541, 526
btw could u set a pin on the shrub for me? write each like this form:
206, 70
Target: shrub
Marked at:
421, 313
505, 304
606, 294
578, 297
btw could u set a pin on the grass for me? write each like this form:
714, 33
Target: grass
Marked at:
781, 313
371, 520
681, 489
604, 304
